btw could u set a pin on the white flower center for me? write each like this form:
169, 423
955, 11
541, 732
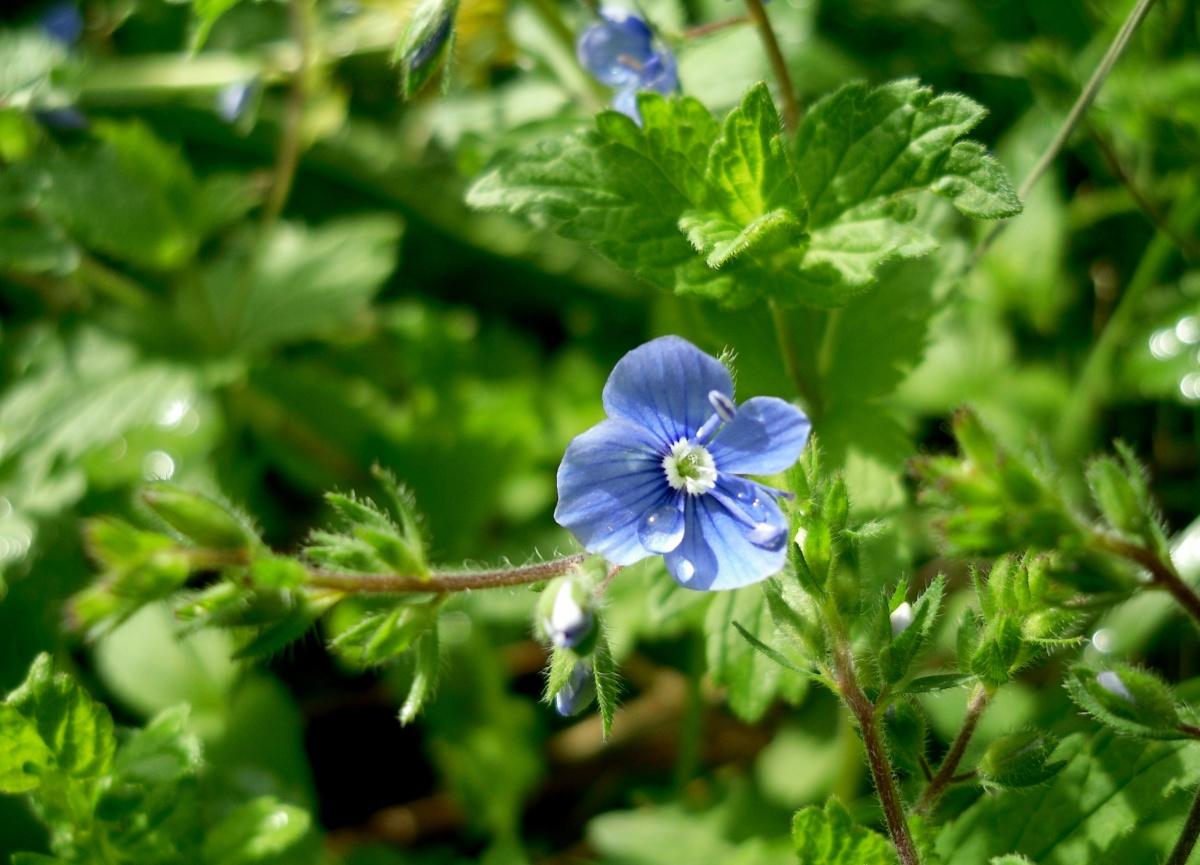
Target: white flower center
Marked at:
690, 467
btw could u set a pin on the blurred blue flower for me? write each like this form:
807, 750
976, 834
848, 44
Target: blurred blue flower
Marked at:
578, 693
63, 23
619, 51
67, 119
233, 100
660, 475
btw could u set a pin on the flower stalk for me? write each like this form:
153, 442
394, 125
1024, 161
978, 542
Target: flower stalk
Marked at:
787, 90
946, 773
445, 581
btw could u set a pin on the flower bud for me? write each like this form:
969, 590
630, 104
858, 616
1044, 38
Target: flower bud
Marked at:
578, 693
566, 617
197, 517
901, 618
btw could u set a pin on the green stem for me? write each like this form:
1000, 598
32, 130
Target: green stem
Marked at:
444, 581
287, 156
1077, 112
805, 389
946, 773
787, 90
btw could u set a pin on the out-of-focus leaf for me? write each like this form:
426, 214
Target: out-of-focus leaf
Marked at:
254, 832
301, 284
24, 757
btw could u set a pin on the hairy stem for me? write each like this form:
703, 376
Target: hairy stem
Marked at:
1086, 96
1162, 570
877, 757
445, 581
287, 153
1189, 835
946, 773
791, 108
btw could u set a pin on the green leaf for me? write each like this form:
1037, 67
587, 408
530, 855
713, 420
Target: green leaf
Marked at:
829, 837
127, 195
630, 192
1020, 759
256, 831
205, 15
201, 519
938, 682
426, 667
1127, 699
380, 636
24, 757
1109, 786
898, 656
77, 730
748, 175
751, 679
769, 653
28, 57
865, 144
301, 283
608, 683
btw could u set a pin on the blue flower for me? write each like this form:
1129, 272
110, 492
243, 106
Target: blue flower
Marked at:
63, 23
619, 51
661, 474
234, 99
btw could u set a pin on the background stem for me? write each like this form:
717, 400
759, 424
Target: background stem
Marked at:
287, 155
1084, 101
787, 90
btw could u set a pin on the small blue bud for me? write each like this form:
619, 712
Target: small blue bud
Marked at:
430, 46
578, 693
66, 119
63, 23
233, 100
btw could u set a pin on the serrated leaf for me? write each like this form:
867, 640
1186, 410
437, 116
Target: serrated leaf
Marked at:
76, 729
24, 757
721, 240
1109, 786
827, 836
255, 832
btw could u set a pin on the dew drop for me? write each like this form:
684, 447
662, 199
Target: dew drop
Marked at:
767, 535
661, 529
684, 570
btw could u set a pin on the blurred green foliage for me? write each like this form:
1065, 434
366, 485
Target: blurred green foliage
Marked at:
165, 317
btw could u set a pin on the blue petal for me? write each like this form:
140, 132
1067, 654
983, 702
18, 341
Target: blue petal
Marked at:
663, 386
616, 49
626, 102
765, 437
609, 477
659, 73
730, 540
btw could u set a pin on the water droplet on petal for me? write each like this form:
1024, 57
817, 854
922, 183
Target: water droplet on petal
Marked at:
684, 570
661, 529
767, 535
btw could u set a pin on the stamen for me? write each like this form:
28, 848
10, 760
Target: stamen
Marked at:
725, 409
